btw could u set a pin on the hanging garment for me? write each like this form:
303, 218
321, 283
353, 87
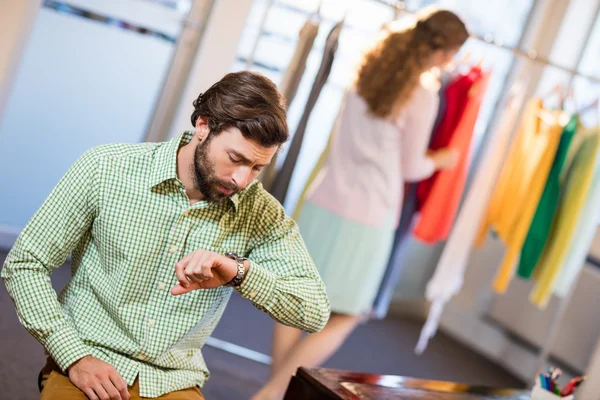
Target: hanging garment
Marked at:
290, 82
446, 187
293, 75
572, 203
520, 186
408, 212
394, 265
448, 277
585, 232
542, 221
284, 176
456, 96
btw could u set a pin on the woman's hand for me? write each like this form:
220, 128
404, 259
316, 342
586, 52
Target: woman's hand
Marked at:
445, 158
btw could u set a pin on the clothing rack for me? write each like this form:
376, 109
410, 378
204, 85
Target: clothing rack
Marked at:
400, 7
531, 55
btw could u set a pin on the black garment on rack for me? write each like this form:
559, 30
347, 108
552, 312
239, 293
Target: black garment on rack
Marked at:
284, 176
289, 86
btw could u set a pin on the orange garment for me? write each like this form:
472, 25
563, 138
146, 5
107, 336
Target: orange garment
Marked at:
520, 186
439, 210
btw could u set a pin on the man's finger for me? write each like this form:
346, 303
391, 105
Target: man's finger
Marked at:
184, 261
207, 269
194, 267
193, 277
101, 392
89, 392
120, 385
179, 290
111, 389
180, 274
182, 265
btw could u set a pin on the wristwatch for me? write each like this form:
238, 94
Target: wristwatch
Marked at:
241, 271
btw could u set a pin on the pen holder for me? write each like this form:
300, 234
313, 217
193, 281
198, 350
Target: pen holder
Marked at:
539, 393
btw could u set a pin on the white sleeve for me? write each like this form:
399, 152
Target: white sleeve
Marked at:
419, 120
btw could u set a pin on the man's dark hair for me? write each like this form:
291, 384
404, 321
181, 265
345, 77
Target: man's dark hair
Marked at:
248, 101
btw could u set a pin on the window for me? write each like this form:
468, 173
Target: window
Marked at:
363, 20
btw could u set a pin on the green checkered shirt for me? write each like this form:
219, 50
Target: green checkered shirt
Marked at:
125, 218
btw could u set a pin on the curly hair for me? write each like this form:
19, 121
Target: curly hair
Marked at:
248, 101
390, 70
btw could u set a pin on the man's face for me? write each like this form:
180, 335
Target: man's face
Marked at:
227, 162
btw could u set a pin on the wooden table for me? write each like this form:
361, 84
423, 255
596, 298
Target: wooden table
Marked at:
326, 384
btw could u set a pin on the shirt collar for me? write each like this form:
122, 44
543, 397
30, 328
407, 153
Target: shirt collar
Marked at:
164, 165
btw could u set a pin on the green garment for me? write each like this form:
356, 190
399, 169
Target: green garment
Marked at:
544, 214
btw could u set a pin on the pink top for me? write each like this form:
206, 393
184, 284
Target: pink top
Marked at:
370, 158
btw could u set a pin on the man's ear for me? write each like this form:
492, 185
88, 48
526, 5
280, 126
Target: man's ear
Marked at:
202, 128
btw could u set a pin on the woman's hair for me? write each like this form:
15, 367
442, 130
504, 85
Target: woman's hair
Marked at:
390, 70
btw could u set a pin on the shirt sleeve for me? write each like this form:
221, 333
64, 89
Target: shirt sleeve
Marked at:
43, 245
283, 280
416, 133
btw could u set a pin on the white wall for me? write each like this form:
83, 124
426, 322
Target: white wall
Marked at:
216, 55
16, 20
80, 83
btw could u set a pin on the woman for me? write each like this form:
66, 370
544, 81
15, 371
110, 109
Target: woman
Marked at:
352, 208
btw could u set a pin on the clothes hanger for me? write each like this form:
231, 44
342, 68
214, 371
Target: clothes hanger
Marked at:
594, 104
316, 15
557, 90
567, 95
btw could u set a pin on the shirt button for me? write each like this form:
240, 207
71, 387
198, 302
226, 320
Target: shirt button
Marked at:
161, 286
151, 323
142, 356
173, 249
252, 294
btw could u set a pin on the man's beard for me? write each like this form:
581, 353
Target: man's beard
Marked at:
205, 177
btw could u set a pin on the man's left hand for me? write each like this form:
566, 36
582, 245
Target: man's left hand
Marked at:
203, 269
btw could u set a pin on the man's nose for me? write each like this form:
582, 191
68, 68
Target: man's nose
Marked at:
241, 176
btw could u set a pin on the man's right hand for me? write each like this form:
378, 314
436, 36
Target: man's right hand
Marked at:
98, 380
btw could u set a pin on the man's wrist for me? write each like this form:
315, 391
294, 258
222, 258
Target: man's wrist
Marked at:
76, 362
241, 268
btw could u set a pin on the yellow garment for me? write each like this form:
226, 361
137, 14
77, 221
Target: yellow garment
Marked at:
311, 178
520, 185
496, 213
576, 191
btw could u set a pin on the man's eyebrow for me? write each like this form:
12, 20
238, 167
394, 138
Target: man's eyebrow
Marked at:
245, 159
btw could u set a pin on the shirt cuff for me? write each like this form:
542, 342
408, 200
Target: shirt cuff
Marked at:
258, 285
65, 346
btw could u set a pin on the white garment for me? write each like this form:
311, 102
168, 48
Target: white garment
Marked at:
582, 240
370, 157
448, 277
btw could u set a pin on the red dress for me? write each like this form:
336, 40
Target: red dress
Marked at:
439, 196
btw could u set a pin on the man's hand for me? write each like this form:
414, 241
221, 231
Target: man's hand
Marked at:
203, 269
98, 380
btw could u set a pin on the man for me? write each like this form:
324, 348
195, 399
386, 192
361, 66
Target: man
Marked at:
158, 233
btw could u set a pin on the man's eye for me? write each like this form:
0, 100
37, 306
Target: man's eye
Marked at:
233, 160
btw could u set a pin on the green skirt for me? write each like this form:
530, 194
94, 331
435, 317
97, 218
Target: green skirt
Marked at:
351, 257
